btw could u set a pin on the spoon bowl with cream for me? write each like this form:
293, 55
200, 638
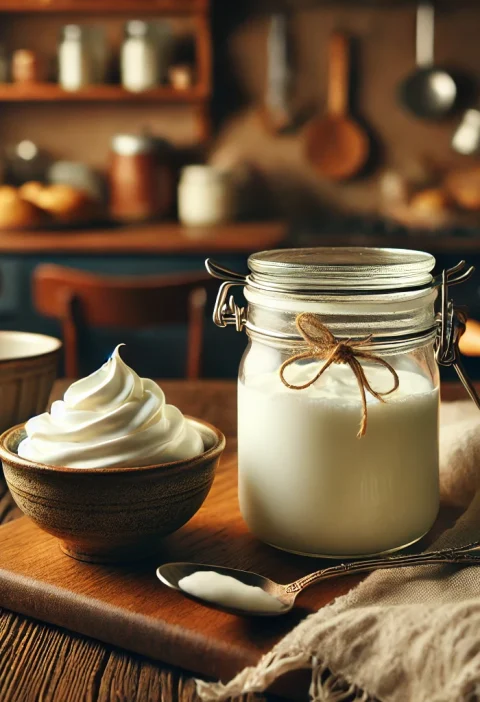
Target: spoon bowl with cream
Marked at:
112, 468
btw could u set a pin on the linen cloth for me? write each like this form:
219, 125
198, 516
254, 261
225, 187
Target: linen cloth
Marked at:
406, 635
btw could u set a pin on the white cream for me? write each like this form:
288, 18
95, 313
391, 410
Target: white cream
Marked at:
306, 482
226, 591
112, 418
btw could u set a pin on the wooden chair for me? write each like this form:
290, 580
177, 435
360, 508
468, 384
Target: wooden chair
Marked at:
79, 298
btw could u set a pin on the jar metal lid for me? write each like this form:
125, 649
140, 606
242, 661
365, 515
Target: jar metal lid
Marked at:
75, 32
204, 174
132, 144
341, 268
137, 28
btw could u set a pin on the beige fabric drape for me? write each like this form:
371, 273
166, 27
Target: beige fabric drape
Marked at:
408, 635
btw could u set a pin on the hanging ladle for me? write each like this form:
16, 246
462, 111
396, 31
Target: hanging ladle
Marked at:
429, 92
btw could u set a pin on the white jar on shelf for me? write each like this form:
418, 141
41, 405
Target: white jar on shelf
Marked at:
76, 66
144, 55
205, 196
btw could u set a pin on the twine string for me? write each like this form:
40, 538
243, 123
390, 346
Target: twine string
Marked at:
324, 346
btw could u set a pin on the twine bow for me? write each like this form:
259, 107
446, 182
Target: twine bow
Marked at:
325, 346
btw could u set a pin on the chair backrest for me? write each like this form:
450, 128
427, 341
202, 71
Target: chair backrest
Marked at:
79, 298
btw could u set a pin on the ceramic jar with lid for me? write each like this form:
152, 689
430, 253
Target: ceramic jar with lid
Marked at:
206, 196
338, 395
140, 178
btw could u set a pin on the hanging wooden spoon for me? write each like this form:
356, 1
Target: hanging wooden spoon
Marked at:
335, 144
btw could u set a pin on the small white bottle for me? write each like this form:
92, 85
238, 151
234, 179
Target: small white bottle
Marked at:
205, 196
139, 63
75, 60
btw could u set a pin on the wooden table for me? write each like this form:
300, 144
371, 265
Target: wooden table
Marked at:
42, 662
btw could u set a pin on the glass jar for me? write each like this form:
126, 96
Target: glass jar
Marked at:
205, 196
321, 473
3, 64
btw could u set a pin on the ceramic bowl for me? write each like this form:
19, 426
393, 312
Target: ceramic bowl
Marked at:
110, 515
28, 368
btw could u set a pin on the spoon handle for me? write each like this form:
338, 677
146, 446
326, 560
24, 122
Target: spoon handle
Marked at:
461, 556
339, 75
425, 34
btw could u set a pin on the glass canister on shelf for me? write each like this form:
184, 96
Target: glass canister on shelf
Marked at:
76, 60
338, 395
78, 175
99, 51
206, 196
4, 64
140, 178
145, 54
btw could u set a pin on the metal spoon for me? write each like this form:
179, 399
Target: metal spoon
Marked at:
429, 92
171, 573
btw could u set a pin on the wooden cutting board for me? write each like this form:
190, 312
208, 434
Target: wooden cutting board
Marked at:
128, 607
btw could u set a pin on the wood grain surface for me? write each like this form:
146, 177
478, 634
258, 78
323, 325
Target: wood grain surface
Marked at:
44, 662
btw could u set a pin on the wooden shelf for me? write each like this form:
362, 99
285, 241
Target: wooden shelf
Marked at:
171, 7
51, 92
162, 238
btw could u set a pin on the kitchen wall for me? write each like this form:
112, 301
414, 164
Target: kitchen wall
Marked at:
384, 49
384, 54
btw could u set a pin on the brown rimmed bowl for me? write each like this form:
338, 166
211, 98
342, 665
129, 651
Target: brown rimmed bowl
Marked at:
111, 515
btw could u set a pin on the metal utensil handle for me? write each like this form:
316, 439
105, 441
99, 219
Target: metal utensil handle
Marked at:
339, 74
278, 72
425, 34
459, 556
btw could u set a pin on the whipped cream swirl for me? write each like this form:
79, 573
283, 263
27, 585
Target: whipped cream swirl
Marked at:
112, 418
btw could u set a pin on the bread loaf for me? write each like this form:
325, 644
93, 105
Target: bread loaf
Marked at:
17, 213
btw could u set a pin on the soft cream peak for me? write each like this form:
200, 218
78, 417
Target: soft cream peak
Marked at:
111, 418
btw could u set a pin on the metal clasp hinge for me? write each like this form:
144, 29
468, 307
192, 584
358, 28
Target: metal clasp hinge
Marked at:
451, 323
226, 310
